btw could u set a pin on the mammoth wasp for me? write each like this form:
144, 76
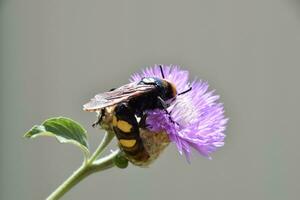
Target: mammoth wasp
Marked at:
128, 106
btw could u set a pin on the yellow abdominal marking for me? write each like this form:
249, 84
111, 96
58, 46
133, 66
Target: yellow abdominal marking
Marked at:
127, 143
124, 126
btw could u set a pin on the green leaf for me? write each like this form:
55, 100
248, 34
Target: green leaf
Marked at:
65, 130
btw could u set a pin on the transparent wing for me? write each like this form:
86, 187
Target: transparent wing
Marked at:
116, 96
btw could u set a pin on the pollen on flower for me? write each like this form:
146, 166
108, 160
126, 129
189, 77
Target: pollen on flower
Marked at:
183, 112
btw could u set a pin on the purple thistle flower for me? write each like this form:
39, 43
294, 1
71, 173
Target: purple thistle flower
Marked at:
199, 119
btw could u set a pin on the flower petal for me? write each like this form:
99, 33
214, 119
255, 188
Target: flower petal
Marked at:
199, 118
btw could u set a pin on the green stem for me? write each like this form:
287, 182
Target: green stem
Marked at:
92, 165
105, 141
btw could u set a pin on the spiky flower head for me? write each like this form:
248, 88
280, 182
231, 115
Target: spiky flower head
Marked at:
194, 119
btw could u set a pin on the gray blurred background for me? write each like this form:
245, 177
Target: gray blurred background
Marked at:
55, 55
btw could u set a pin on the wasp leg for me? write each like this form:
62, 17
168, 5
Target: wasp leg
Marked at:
142, 122
162, 103
164, 107
99, 120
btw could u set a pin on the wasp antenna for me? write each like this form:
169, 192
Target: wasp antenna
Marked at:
162, 71
185, 91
